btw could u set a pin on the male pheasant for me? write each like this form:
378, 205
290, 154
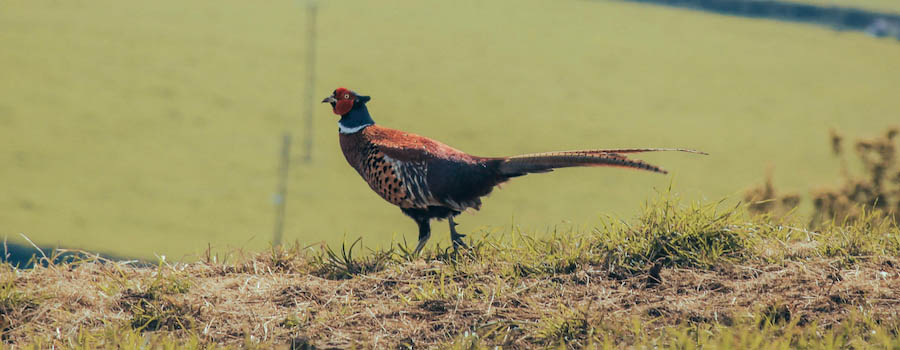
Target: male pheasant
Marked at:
430, 180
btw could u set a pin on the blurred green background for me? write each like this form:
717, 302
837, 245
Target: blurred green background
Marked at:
142, 128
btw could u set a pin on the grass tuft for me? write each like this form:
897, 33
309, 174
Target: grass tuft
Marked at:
676, 235
337, 266
153, 300
16, 306
149, 314
567, 328
871, 234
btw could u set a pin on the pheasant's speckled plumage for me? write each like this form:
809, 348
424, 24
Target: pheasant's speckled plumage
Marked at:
430, 180
407, 169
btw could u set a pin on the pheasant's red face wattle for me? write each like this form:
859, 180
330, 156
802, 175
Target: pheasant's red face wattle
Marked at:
343, 101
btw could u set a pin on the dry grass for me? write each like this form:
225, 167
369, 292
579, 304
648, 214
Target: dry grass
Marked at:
579, 289
427, 303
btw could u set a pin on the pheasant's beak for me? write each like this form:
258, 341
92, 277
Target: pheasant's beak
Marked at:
329, 99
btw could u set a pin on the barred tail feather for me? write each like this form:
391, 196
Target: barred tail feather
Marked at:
545, 162
634, 150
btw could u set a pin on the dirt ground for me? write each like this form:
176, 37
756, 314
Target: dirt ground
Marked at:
409, 305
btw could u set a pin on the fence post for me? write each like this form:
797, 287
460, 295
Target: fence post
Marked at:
281, 195
311, 10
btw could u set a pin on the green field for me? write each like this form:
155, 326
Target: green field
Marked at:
154, 128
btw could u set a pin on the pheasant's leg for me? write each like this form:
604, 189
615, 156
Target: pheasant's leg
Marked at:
424, 234
456, 237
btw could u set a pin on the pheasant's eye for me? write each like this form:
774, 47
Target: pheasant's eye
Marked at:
346, 96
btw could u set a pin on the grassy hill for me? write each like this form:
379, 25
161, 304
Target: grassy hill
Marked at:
681, 275
154, 128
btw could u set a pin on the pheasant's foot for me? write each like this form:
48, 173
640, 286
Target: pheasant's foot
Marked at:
420, 246
424, 235
456, 237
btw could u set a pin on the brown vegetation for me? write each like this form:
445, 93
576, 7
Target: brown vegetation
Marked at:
877, 188
518, 292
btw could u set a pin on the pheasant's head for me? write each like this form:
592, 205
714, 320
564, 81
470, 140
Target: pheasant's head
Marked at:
342, 100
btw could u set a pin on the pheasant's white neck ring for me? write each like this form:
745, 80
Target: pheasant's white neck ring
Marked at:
350, 130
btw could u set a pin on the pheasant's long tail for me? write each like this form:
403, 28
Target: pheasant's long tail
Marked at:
633, 150
544, 162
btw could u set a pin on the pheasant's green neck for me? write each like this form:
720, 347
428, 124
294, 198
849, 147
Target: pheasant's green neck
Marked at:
357, 119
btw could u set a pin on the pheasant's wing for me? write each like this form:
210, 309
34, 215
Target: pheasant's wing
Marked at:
433, 173
406, 146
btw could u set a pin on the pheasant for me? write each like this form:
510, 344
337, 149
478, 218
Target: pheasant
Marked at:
430, 180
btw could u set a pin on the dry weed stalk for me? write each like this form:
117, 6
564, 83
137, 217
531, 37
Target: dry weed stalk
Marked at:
877, 188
